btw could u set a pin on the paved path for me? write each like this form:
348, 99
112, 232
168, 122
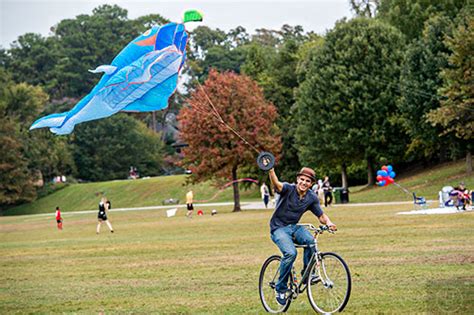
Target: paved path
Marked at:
260, 205
244, 205
216, 204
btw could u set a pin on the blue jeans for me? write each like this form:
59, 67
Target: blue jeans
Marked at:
283, 238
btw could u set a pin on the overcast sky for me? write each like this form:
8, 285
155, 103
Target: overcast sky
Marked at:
18, 17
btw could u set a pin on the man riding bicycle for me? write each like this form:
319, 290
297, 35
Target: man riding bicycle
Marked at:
294, 201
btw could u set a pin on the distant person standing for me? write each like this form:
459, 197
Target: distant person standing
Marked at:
189, 203
327, 189
104, 206
276, 196
318, 189
59, 219
265, 194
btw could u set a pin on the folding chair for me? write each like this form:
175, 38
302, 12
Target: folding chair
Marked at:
419, 202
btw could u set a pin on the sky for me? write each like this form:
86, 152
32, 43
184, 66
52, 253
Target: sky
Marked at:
18, 17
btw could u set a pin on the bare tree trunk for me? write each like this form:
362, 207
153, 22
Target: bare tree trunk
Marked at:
153, 121
443, 154
345, 183
235, 186
469, 162
370, 172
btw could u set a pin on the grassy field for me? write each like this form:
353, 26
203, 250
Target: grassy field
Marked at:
130, 193
210, 264
152, 191
426, 183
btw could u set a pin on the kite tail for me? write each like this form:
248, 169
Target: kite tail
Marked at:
52, 121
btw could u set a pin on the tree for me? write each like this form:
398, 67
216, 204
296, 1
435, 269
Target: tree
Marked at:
216, 49
265, 37
59, 63
419, 84
87, 42
19, 103
32, 59
275, 70
215, 152
203, 38
347, 102
409, 16
456, 112
46, 154
105, 149
16, 183
238, 37
365, 8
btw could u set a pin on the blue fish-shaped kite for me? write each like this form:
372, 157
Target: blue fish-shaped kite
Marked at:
140, 78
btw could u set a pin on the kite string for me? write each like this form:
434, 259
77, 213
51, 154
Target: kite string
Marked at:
221, 120
403, 188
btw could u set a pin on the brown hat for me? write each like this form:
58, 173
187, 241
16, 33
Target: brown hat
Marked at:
309, 172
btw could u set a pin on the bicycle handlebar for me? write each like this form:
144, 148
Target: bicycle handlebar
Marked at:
317, 230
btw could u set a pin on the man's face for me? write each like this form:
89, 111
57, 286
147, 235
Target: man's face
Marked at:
303, 183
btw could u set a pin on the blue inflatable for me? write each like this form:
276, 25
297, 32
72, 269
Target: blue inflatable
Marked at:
141, 78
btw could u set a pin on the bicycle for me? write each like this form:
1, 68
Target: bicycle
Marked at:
327, 274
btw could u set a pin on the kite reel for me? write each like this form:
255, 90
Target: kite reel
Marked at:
265, 161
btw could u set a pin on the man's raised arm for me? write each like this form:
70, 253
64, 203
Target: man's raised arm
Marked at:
274, 179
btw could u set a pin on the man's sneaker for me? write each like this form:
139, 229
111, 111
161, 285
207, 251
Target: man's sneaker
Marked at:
281, 298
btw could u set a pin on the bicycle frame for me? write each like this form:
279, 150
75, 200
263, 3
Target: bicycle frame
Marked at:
318, 280
299, 287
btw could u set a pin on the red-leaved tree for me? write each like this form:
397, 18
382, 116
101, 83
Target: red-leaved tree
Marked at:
215, 152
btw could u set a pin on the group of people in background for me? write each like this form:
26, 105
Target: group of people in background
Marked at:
133, 173
104, 207
462, 196
322, 188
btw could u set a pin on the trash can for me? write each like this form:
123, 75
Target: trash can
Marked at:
344, 195
337, 194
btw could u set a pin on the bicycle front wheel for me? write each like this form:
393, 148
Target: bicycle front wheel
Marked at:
329, 286
269, 275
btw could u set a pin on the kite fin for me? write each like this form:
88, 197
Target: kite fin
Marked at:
53, 120
107, 69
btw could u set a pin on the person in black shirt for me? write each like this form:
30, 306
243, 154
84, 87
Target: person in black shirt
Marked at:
327, 189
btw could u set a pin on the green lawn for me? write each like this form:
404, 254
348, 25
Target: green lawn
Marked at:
210, 264
426, 183
130, 193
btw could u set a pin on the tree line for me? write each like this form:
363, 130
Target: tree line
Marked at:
393, 84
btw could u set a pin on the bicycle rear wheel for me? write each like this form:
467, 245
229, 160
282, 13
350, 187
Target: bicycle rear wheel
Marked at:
269, 275
329, 290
